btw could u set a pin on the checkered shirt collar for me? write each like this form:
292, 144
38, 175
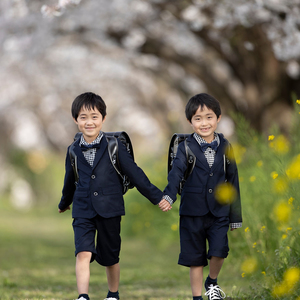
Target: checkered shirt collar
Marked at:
96, 141
201, 140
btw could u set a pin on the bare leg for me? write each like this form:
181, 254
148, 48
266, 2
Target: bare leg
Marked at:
113, 277
83, 271
215, 265
196, 279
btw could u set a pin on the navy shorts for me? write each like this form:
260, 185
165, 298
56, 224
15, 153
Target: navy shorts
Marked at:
108, 245
195, 231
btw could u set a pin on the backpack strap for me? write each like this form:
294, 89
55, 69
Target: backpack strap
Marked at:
176, 139
191, 161
73, 157
113, 151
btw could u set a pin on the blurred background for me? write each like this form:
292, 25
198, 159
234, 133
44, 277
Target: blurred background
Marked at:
146, 59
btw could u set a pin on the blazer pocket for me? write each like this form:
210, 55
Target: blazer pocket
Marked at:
81, 193
111, 190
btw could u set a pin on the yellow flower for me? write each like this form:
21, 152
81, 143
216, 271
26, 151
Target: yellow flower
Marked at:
281, 144
249, 265
252, 178
243, 275
225, 193
174, 227
288, 229
298, 101
274, 175
280, 185
254, 245
271, 137
262, 228
264, 273
284, 236
291, 277
293, 170
238, 154
282, 212
291, 201
248, 229
259, 163
279, 290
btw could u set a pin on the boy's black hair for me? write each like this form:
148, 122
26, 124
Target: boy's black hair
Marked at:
200, 100
89, 101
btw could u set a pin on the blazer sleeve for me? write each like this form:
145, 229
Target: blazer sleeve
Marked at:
233, 178
138, 177
69, 185
177, 173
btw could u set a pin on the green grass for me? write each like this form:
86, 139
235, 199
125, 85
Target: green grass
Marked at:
37, 262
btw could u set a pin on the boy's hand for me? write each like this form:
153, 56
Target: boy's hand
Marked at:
164, 205
63, 210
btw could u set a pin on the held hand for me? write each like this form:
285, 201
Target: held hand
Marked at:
61, 211
164, 205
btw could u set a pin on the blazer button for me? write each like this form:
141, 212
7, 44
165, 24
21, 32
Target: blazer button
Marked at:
211, 174
93, 176
210, 191
95, 194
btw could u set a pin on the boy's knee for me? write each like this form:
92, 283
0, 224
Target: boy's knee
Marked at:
84, 255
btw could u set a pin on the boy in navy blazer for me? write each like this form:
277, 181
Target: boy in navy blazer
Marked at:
97, 198
202, 215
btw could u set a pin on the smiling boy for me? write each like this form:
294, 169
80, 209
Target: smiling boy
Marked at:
202, 217
97, 198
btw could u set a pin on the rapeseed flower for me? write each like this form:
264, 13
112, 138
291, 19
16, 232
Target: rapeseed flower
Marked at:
282, 212
225, 193
293, 170
280, 185
174, 227
271, 137
281, 144
259, 163
274, 175
290, 279
238, 153
249, 265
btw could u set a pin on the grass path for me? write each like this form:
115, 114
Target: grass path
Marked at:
37, 262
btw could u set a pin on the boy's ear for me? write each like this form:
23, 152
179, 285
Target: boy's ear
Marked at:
220, 116
103, 119
75, 121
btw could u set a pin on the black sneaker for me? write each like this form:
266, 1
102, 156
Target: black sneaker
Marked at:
214, 292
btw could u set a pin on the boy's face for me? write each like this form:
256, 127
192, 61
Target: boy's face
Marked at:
89, 122
204, 122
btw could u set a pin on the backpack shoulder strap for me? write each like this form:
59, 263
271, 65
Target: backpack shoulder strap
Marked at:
73, 157
113, 151
176, 139
190, 161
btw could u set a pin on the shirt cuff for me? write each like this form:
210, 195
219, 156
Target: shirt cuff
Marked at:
235, 225
168, 198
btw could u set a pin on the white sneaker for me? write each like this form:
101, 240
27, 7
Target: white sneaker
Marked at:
110, 298
81, 298
215, 293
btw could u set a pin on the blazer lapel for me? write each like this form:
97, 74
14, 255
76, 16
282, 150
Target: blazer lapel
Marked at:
195, 147
100, 151
219, 154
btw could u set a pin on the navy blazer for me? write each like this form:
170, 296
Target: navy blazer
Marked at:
197, 198
99, 190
